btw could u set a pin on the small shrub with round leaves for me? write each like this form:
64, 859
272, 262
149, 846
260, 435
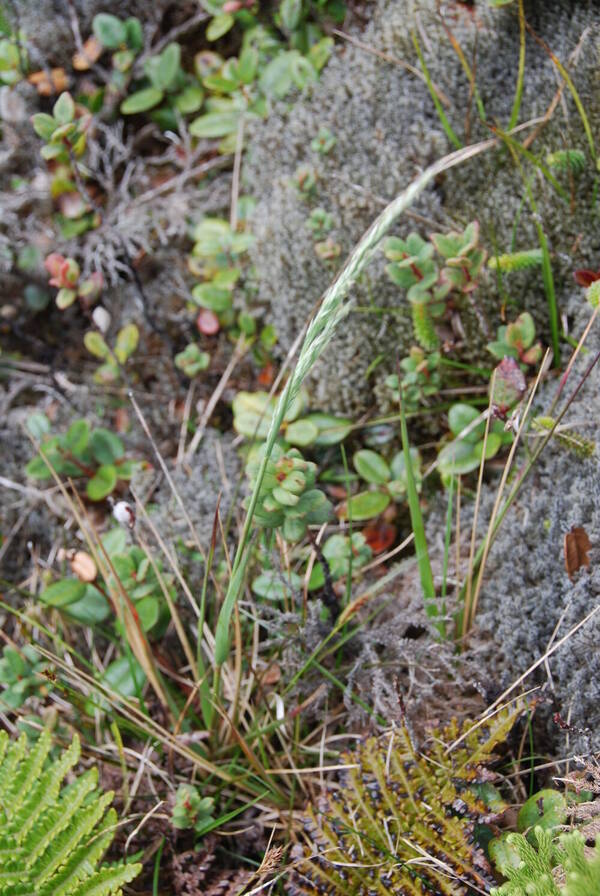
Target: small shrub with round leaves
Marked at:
288, 499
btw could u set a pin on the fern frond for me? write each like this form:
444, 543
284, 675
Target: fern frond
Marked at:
45, 793
52, 838
29, 771
108, 881
567, 160
516, 261
567, 438
79, 824
402, 821
423, 327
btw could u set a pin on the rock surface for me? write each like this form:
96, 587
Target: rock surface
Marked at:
387, 132
528, 602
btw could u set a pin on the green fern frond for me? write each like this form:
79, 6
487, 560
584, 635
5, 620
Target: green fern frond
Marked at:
423, 327
516, 261
567, 438
567, 160
402, 821
52, 837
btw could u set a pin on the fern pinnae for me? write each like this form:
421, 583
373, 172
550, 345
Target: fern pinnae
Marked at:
29, 770
85, 857
58, 817
108, 881
80, 823
8, 769
45, 793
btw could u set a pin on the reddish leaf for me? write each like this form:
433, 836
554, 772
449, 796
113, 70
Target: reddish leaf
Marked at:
90, 53
585, 277
48, 83
577, 545
509, 386
266, 375
208, 322
379, 536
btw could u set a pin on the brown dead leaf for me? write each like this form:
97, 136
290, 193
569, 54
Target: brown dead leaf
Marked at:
84, 567
91, 52
576, 545
272, 675
49, 82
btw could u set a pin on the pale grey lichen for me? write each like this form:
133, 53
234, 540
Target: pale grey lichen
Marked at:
528, 602
387, 131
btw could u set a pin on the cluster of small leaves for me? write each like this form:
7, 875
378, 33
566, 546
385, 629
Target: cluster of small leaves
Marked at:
53, 836
389, 480
165, 81
124, 38
253, 412
191, 810
96, 455
84, 597
113, 358
64, 133
216, 258
65, 275
21, 675
465, 451
358, 842
516, 340
414, 268
288, 499
421, 379
342, 554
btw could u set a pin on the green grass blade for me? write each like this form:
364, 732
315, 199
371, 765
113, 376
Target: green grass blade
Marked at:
320, 331
416, 519
436, 100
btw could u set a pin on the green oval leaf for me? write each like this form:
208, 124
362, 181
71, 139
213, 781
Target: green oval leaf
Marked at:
460, 416
125, 676
301, 432
219, 26
127, 342
64, 109
63, 593
95, 344
366, 505
91, 609
457, 458
212, 297
148, 610
103, 483
110, 31
141, 101
546, 809
371, 467
106, 446
215, 124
